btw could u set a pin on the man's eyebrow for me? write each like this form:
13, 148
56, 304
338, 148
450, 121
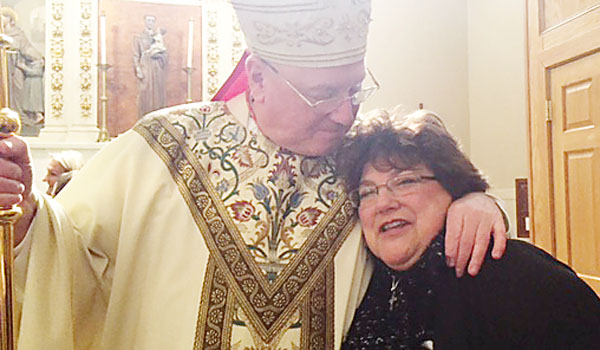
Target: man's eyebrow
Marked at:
321, 88
329, 87
326, 89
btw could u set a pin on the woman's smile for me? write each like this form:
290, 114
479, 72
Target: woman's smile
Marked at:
394, 226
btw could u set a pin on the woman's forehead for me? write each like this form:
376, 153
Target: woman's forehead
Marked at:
390, 167
392, 160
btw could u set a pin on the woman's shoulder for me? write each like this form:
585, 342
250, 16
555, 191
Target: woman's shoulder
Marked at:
527, 265
520, 252
528, 288
528, 280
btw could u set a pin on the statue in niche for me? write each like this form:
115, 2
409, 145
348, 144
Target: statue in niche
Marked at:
150, 59
26, 75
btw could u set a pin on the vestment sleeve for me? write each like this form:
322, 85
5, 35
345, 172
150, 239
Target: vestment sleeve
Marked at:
64, 278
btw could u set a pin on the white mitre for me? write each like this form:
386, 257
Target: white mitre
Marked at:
306, 33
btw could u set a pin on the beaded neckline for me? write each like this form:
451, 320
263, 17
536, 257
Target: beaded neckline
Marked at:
398, 310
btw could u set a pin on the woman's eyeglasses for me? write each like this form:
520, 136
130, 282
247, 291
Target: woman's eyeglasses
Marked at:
400, 185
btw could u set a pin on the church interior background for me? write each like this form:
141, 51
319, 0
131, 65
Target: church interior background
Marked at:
69, 35
466, 60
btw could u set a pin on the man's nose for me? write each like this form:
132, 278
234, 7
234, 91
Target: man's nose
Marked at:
345, 113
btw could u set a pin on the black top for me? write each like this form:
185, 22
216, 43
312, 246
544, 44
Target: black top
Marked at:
526, 300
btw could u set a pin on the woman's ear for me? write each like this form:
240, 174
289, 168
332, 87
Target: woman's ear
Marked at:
256, 70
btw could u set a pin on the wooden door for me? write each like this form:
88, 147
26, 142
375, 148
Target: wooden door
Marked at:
564, 81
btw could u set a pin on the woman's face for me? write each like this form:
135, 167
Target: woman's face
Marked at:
399, 226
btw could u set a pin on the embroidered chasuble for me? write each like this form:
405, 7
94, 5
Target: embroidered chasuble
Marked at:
204, 235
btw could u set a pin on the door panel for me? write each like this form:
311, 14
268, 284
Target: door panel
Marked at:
582, 242
564, 73
557, 11
575, 92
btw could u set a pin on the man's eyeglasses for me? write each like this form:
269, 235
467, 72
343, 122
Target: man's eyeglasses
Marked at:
401, 185
364, 90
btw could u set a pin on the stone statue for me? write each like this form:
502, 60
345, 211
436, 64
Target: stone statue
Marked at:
26, 74
150, 61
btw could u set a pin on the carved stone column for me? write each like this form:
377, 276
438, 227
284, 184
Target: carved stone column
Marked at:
223, 44
71, 72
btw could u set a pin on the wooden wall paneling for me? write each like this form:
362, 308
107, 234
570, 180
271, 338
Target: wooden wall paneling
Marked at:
126, 19
522, 207
540, 187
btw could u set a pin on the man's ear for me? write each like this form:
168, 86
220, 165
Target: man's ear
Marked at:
256, 70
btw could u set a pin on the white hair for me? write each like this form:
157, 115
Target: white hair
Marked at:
70, 160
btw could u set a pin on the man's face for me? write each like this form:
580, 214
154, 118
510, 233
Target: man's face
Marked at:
53, 172
285, 118
6, 22
149, 21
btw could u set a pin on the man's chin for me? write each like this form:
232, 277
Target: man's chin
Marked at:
318, 149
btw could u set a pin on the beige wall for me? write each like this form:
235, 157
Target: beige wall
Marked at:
497, 93
464, 59
418, 52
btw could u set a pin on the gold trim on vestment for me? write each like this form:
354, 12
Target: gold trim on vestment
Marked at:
269, 307
213, 329
317, 314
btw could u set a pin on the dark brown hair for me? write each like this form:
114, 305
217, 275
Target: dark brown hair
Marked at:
398, 141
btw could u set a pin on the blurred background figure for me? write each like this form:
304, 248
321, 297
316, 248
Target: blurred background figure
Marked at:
26, 71
60, 170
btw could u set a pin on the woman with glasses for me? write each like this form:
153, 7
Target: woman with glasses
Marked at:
404, 171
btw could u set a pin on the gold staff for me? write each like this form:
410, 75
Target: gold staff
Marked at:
9, 125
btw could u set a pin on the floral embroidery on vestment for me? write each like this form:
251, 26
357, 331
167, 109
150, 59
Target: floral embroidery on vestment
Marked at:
272, 220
